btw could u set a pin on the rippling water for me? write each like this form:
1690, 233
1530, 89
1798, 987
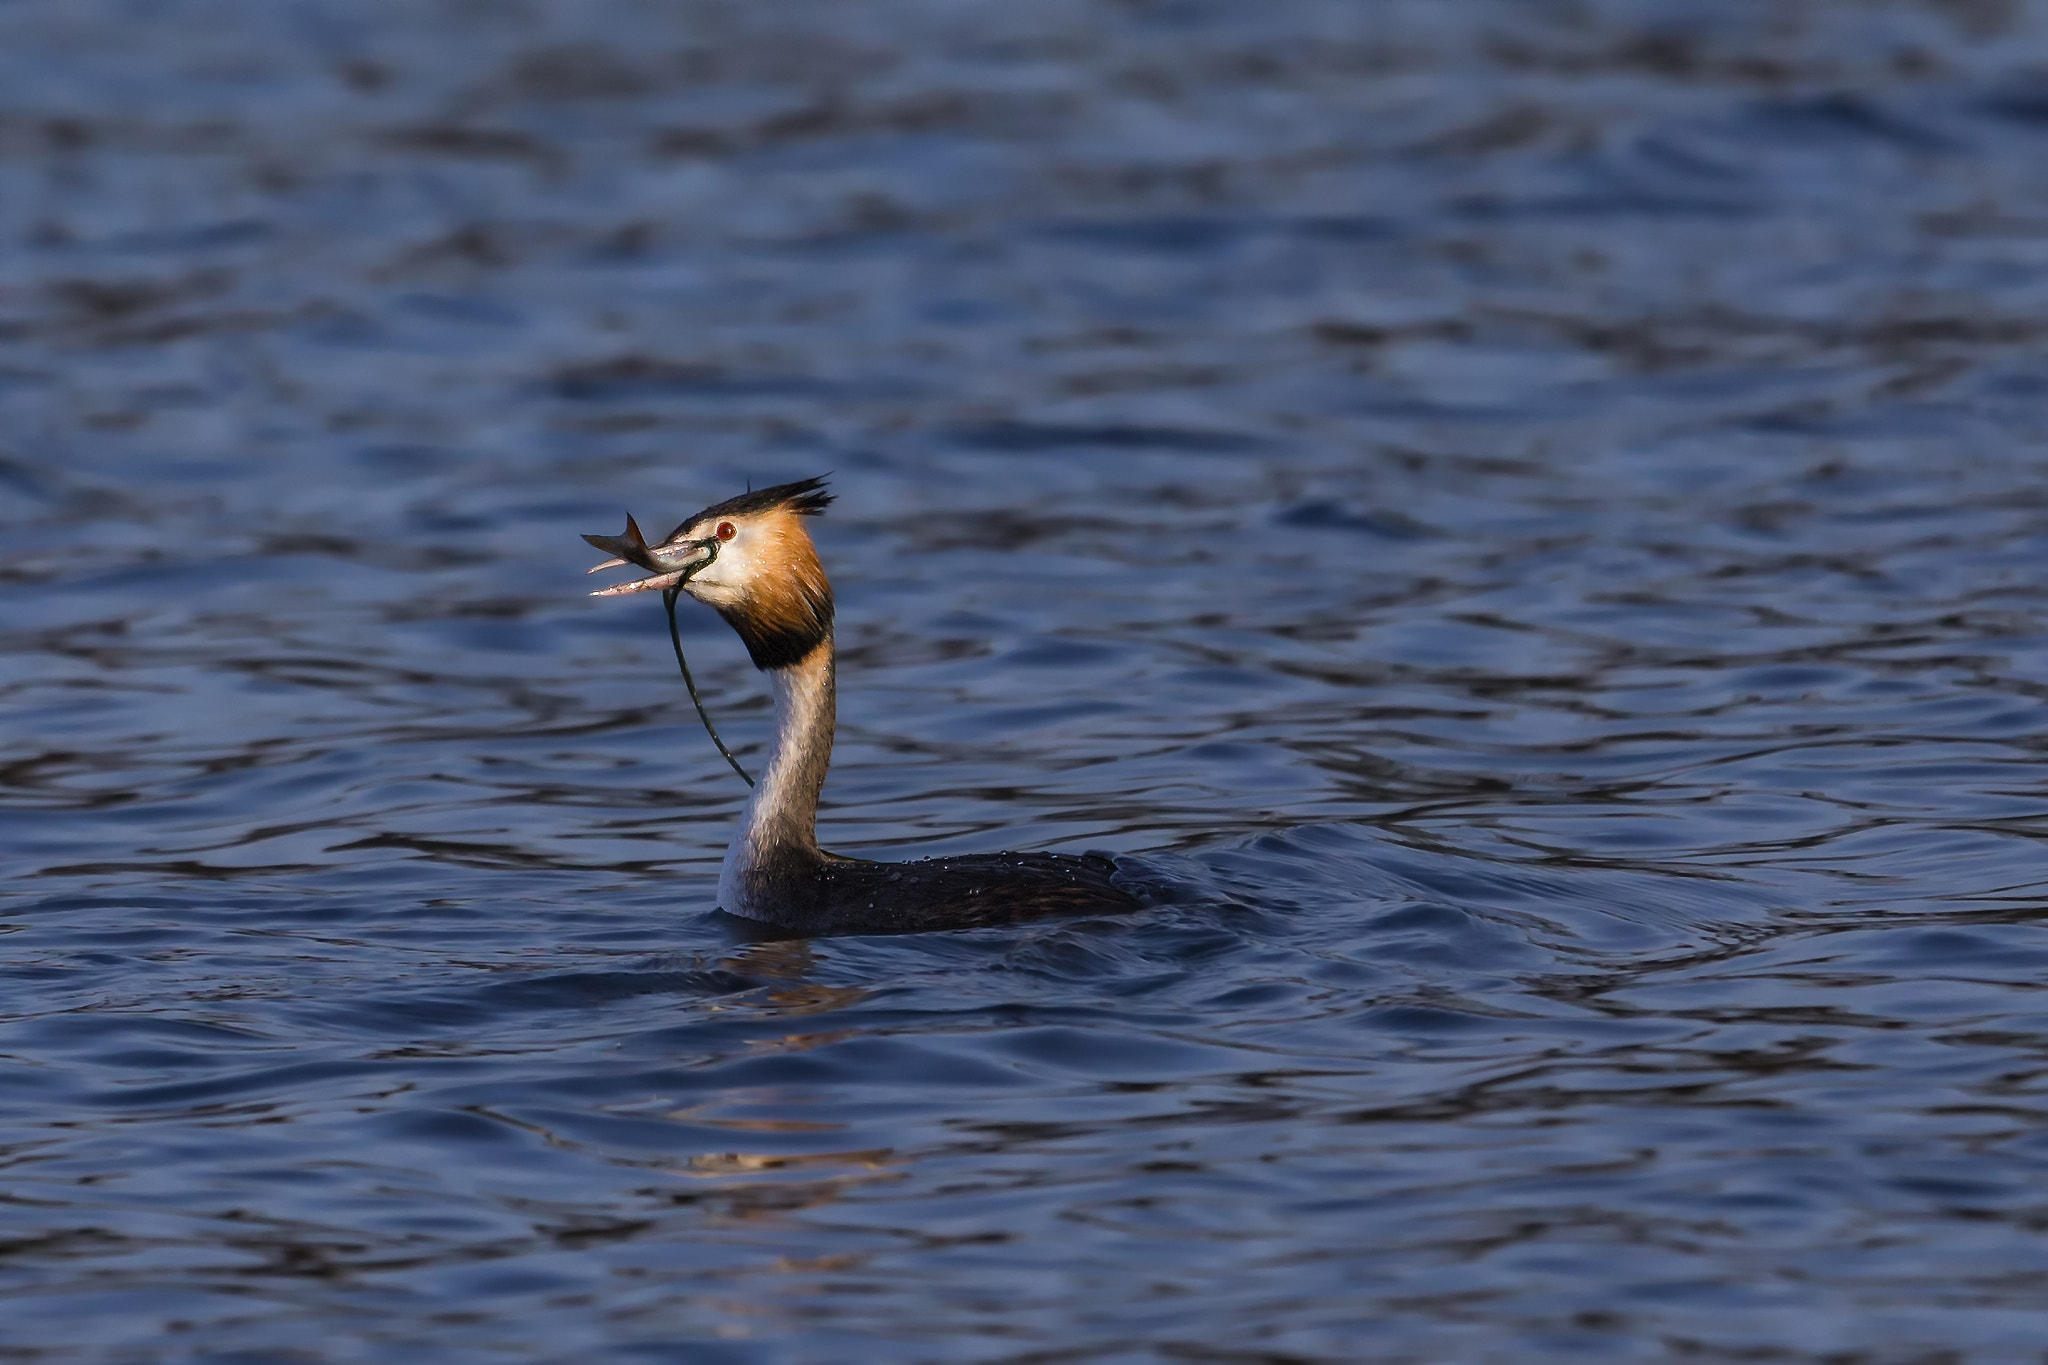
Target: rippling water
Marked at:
1528, 515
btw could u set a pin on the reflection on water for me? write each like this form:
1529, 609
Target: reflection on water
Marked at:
1526, 518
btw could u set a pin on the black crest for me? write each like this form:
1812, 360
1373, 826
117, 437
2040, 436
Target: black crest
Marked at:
805, 497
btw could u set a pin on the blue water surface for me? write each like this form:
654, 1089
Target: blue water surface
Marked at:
1528, 517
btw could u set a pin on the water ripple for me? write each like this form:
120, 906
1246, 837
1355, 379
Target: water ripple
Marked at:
1520, 526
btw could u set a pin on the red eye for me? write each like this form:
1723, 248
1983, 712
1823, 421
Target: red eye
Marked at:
726, 530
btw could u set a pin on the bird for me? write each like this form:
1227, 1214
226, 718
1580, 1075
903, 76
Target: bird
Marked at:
751, 559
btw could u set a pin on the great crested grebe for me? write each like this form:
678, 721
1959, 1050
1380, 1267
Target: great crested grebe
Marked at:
750, 558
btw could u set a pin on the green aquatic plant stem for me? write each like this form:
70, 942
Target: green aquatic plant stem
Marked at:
675, 637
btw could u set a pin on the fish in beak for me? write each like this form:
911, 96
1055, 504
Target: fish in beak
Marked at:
671, 562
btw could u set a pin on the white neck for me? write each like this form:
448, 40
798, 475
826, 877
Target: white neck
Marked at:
779, 831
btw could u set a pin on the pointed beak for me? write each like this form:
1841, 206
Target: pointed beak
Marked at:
672, 564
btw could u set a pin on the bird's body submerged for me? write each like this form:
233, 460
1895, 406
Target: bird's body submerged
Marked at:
833, 895
752, 560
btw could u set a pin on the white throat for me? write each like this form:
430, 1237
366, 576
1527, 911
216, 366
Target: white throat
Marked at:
779, 831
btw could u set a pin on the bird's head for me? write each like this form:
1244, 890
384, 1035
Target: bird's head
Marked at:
750, 558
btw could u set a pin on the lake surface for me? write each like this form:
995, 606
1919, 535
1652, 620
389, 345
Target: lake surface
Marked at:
1529, 517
